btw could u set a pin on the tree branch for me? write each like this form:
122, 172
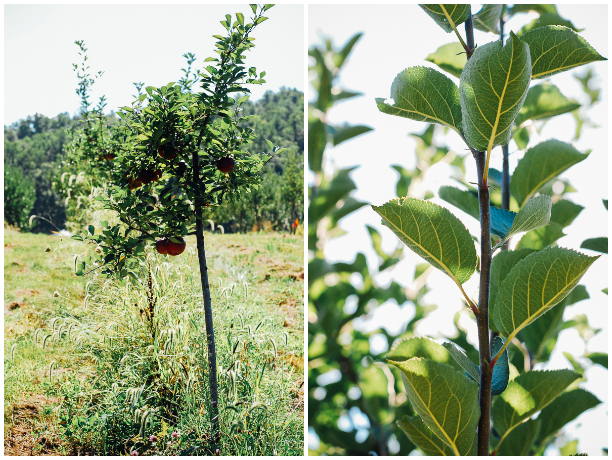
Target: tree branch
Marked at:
484, 423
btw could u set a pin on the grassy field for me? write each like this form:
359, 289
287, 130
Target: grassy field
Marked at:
89, 371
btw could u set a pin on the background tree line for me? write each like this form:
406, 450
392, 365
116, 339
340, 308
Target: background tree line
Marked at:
35, 164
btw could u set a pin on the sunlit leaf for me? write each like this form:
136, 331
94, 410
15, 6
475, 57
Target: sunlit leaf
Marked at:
450, 57
541, 164
541, 238
424, 94
458, 14
433, 233
428, 383
535, 284
527, 394
493, 86
544, 101
556, 49
423, 437
487, 19
534, 214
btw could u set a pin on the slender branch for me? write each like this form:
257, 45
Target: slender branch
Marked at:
452, 23
486, 373
484, 424
469, 35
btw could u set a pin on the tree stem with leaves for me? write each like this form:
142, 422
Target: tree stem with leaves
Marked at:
484, 423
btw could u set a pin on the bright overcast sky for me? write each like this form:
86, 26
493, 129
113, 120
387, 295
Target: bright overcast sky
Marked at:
400, 36
131, 43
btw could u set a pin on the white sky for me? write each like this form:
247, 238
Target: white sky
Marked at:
132, 43
399, 36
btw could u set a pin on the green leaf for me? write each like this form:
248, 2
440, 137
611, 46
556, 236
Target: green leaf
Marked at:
521, 137
487, 19
544, 101
527, 394
534, 214
493, 86
501, 265
563, 410
541, 164
457, 14
433, 233
340, 57
420, 347
346, 132
329, 194
374, 388
555, 49
541, 238
605, 203
445, 399
535, 284
599, 244
466, 364
450, 57
462, 199
599, 358
424, 94
423, 437
548, 19
570, 449
240, 18
564, 212
317, 140
520, 440
535, 335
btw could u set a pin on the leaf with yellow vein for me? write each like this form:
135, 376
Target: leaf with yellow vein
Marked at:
526, 395
445, 399
434, 233
493, 87
440, 13
423, 437
539, 165
536, 284
555, 49
424, 94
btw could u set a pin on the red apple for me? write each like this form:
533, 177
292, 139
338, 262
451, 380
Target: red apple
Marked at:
174, 249
225, 164
161, 246
167, 151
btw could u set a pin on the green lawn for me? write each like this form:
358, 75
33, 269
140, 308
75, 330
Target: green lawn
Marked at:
86, 372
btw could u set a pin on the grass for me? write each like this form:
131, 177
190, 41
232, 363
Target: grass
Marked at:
89, 371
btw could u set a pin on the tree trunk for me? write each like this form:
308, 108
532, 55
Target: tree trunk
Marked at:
208, 317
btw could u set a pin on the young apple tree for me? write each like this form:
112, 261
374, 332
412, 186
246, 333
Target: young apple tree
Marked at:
174, 151
462, 407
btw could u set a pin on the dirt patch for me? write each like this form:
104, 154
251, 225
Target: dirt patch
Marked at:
27, 292
25, 432
12, 306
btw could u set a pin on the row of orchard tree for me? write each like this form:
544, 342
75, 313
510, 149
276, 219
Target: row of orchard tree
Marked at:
41, 179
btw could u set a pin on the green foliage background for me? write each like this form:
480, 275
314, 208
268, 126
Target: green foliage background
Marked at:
34, 151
